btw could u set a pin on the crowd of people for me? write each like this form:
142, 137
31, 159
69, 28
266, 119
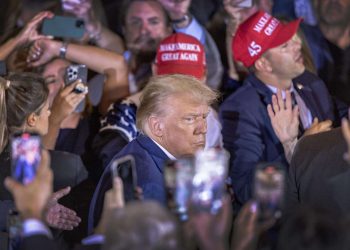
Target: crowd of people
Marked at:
264, 83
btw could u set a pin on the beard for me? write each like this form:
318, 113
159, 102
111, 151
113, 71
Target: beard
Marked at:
144, 49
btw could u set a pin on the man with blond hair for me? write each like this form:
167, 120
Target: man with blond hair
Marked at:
172, 120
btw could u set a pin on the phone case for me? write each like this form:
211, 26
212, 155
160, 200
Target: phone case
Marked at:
75, 72
63, 27
125, 168
25, 156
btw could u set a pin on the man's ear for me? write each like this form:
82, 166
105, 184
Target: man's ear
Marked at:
31, 120
263, 65
156, 126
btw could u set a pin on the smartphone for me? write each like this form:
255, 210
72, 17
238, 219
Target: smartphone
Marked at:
73, 73
269, 189
178, 176
125, 168
242, 3
209, 181
25, 156
63, 27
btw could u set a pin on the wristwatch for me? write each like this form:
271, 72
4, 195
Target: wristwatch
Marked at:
63, 50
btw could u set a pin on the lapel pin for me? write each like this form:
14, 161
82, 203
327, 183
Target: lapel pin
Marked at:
299, 86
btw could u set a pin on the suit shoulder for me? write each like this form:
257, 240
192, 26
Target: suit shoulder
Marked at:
245, 97
308, 78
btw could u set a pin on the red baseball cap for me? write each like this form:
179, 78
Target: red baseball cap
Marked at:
181, 54
259, 33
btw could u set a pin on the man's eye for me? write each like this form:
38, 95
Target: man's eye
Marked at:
154, 22
189, 119
134, 22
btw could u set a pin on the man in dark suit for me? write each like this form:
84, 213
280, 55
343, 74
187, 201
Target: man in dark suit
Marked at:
319, 175
172, 120
272, 52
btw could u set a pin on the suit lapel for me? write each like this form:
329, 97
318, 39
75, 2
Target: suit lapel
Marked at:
156, 152
308, 97
265, 95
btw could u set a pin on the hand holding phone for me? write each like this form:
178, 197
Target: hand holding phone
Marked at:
125, 168
211, 167
25, 156
269, 187
178, 176
73, 73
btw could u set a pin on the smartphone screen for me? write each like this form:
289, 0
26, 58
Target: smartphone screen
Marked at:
26, 156
125, 168
269, 187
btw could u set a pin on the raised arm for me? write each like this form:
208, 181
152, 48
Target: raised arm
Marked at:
28, 34
109, 63
96, 32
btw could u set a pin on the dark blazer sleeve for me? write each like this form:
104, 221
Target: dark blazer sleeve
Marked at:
68, 169
38, 242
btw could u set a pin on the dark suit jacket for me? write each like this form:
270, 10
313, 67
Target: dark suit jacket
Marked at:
318, 175
149, 160
247, 131
39, 241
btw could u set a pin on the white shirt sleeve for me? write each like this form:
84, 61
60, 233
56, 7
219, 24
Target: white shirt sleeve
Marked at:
33, 227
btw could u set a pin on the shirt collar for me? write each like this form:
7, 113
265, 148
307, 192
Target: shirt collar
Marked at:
171, 157
274, 90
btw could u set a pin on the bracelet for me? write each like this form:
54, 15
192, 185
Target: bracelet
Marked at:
63, 50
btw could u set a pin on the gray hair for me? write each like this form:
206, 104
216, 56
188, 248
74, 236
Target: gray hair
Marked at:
159, 88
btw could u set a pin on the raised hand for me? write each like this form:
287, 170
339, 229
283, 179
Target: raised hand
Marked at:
83, 9
31, 199
65, 103
114, 198
247, 229
318, 127
30, 33
58, 216
211, 231
284, 118
42, 51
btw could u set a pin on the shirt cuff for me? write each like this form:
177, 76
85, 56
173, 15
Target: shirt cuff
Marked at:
94, 239
33, 227
193, 29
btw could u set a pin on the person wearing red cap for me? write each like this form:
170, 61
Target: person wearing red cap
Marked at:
272, 53
176, 54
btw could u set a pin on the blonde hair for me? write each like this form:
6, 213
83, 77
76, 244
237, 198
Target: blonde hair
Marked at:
159, 88
21, 94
